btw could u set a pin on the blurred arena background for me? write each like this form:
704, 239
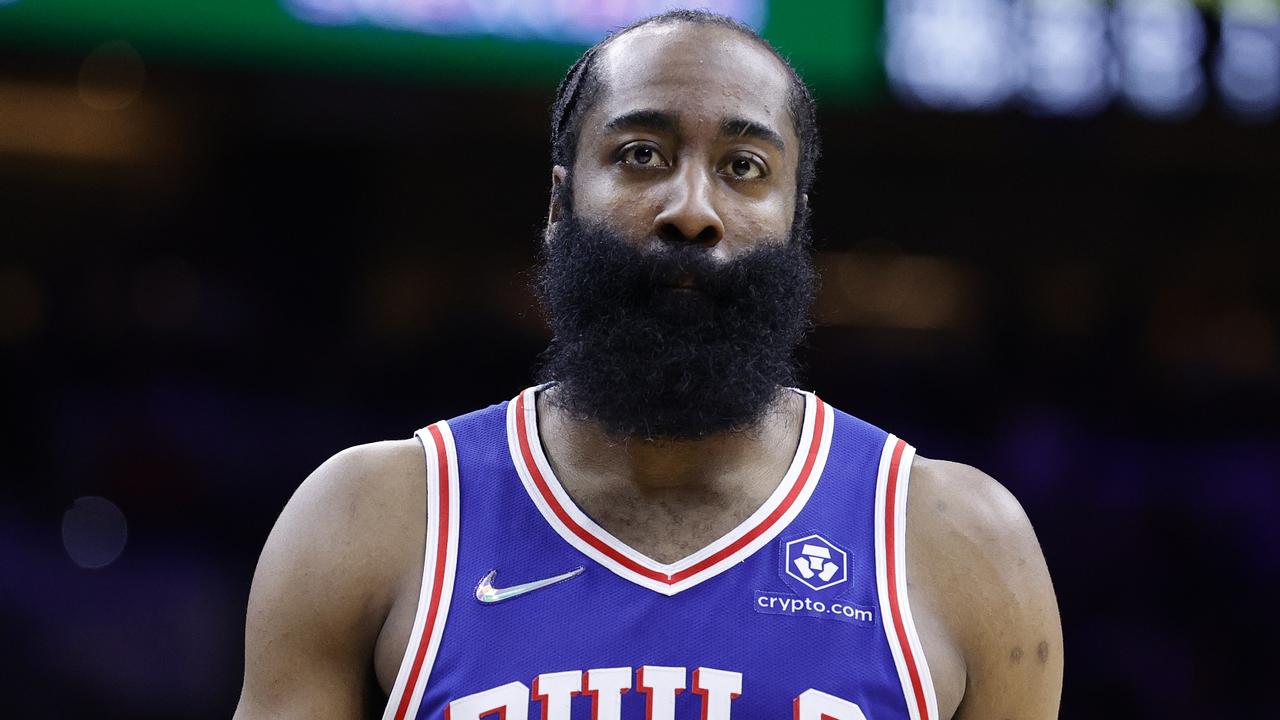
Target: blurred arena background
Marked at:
236, 237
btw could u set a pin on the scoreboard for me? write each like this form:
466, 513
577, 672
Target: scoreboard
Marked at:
1164, 59
503, 42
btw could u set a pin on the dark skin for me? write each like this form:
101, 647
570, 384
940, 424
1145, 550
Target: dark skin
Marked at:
690, 142
665, 167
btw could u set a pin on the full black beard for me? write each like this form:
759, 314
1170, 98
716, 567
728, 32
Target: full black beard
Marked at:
642, 359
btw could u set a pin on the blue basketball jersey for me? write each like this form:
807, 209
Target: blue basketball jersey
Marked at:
528, 608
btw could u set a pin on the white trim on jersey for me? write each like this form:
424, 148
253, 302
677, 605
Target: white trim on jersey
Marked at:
584, 534
440, 560
891, 580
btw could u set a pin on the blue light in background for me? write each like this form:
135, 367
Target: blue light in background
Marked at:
1073, 57
951, 54
1067, 57
1159, 44
1247, 64
571, 21
94, 532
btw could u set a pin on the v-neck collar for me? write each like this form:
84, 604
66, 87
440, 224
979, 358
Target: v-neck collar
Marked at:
733, 547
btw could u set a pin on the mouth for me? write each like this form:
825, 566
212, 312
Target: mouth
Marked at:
683, 281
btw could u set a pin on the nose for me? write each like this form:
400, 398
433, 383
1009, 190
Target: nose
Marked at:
690, 214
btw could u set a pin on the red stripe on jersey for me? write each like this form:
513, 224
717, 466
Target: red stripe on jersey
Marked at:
895, 609
442, 558
810, 458
526, 453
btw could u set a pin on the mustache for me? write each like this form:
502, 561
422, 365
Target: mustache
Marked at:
686, 267
681, 269
647, 271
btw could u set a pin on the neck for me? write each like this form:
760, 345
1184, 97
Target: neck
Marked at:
585, 457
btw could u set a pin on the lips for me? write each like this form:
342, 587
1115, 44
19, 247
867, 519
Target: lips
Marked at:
680, 281
685, 282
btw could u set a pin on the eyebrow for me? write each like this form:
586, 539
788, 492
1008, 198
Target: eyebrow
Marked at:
670, 122
645, 120
737, 127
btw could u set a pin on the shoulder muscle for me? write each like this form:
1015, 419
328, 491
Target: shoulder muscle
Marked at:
979, 567
326, 579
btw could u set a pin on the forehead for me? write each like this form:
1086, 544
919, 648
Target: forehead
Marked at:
700, 72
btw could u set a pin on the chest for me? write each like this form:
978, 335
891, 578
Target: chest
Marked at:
718, 623
673, 526
767, 640
528, 606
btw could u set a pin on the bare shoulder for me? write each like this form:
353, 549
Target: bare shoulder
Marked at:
970, 509
350, 517
364, 490
328, 575
977, 569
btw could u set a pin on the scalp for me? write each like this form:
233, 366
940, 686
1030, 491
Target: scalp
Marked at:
692, 54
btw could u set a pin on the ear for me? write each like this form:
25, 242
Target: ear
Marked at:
558, 175
804, 201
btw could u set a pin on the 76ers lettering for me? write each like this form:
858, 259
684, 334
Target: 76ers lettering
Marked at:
717, 689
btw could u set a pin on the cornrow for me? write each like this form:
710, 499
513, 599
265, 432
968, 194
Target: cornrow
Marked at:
566, 99
568, 89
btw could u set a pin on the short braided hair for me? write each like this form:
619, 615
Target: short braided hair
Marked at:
581, 86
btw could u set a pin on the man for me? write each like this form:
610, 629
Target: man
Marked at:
665, 514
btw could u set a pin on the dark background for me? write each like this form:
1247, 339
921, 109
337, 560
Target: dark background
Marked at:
208, 291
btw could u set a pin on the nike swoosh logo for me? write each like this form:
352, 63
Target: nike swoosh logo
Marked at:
488, 594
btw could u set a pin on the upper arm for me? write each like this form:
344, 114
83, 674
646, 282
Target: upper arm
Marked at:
324, 584
980, 570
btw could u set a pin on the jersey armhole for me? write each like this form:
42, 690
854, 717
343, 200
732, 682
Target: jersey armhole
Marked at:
891, 580
439, 564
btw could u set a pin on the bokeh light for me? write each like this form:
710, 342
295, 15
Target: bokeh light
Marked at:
1160, 44
565, 20
94, 532
112, 76
1067, 56
950, 54
1248, 58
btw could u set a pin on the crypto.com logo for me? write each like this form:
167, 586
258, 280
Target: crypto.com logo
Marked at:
817, 563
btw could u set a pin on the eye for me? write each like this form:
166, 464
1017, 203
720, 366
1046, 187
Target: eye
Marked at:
641, 155
745, 167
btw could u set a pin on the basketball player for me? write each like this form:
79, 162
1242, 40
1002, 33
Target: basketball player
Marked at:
664, 529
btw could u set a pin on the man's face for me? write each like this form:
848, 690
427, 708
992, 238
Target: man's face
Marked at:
690, 140
674, 282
